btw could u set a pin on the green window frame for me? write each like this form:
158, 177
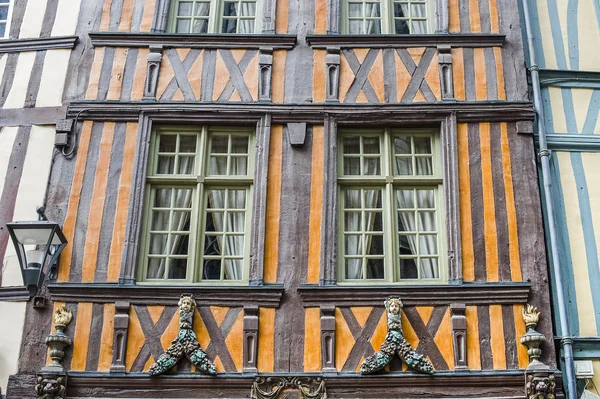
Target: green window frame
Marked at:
391, 223
215, 16
197, 212
373, 17
5, 13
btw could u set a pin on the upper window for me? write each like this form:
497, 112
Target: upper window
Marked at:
215, 16
373, 17
391, 216
5, 9
198, 201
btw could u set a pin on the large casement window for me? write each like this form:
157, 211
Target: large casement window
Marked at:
215, 16
5, 11
371, 17
198, 202
391, 216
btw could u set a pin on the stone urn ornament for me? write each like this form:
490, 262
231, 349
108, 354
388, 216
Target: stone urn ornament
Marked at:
395, 344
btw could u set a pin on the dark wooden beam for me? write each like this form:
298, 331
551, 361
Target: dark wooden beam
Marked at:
263, 296
43, 43
14, 294
386, 41
414, 295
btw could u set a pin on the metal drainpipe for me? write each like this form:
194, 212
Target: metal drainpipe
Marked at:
567, 340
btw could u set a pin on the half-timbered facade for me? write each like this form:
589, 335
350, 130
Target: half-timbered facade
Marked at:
292, 164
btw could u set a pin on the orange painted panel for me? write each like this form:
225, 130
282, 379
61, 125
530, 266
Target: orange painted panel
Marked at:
497, 337
316, 206
464, 182
312, 340
120, 223
500, 73
139, 78
76, 185
92, 91
281, 16
511, 210
165, 74
81, 337
273, 206
126, 16
425, 313
376, 77
106, 339
481, 92
195, 75
494, 16
344, 341
362, 314
105, 18
235, 341
458, 72
266, 339
402, 76
148, 15
94, 223
519, 332
474, 17
200, 330
346, 77
135, 339
251, 78
443, 340
320, 17
489, 207
473, 354
380, 332
116, 77
453, 16
222, 77
278, 76
319, 76
172, 329
432, 77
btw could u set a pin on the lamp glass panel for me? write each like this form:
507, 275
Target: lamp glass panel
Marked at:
35, 236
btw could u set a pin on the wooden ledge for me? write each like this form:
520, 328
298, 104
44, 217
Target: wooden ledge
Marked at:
263, 296
119, 39
42, 43
396, 41
415, 295
14, 294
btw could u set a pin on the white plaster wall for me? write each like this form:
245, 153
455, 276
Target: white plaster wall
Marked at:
67, 14
18, 91
12, 318
33, 19
32, 190
53, 78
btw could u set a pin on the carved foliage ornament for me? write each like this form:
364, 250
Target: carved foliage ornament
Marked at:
271, 387
185, 343
395, 344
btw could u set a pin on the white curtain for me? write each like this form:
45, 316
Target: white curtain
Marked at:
201, 25
247, 25
373, 25
418, 10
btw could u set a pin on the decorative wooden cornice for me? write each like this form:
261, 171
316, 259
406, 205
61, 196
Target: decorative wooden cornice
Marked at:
263, 296
489, 111
573, 142
569, 78
14, 294
413, 295
383, 41
43, 43
119, 39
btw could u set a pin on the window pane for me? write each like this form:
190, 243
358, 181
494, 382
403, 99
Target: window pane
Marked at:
352, 199
248, 9
422, 145
371, 145
373, 199
219, 144
230, 9
184, 9
160, 220
179, 244
353, 244
214, 221
236, 222
373, 27
216, 199
183, 198
405, 199
355, 27
406, 221
166, 165
401, 27
202, 9
428, 244
229, 26
233, 269
351, 145
2, 29
372, 167
425, 199
419, 27
237, 199
218, 166
418, 10
402, 145
178, 269
374, 244
156, 268
352, 221
158, 244
429, 268
211, 269
187, 143
404, 166
239, 145
3, 12
234, 245
408, 269
181, 221
401, 10
351, 166
353, 268
200, 26
183, 26
162, 198
373, 221
407, 244
186, 165
355, 10
424, 166
375, 269
372, 10
239, 166
427, 221
212, 245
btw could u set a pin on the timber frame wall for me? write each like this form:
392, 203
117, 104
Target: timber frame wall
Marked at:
467, 80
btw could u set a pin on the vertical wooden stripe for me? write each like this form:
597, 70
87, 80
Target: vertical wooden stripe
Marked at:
90, 253
480, 74
508, 317
319, 76
320, 17
139, 79
281, 16
316, 205
473, 355
511, 210
520, 331
474, 17
126, 16
494, 17
478, 221
106, 338
105, 19
497, 337
122, 211
500, 73
453, 16
95, 345
76, 186
458, 72
149, 7
489, 212
312, 341
485, 344
116, 79
273, 205
92, 91
81, 337
266, 337
464, 178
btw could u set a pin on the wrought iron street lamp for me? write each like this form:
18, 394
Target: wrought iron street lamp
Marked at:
38, 246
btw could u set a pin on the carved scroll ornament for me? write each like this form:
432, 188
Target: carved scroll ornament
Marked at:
272, 387
185, 343
395, 344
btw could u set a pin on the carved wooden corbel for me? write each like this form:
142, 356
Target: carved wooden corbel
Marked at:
121, 328
296, 133
446, 76
458, 321
333, 74
328, 339
265, 67
153, 68
250, 338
